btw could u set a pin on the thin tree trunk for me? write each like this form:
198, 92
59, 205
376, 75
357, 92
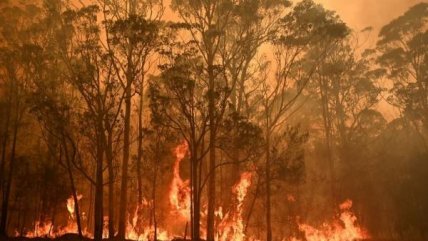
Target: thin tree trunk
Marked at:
140, 144
195, 204
155, 175
327, 132
268, 188
6, 194
90, 209
212, 156
73, 188
126, 147
109, 155
253, 202
98, 213
126, 135
5, 137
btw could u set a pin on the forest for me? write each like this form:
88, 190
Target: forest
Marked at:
216, 120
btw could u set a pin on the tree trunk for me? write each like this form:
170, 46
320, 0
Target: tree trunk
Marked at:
126, 147
109, 155
140, 144
268, 189
155, 176
73, 188
126, 134
328, 141
6, 194
98, 212
212, 161
195, 204
252, 205
5, 137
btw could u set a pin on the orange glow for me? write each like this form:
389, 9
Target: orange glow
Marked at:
343, 228
179, 195
232, 225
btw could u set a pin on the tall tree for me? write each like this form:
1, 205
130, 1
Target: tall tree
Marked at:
16, 74
90, 72
131, 30
178, 102
307, 25
403, 56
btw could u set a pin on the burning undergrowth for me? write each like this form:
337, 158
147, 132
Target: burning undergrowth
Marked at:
230, 225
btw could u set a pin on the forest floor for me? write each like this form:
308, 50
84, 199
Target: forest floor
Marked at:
74, 237
66, 237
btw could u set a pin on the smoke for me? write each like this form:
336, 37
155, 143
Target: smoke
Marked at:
359, 14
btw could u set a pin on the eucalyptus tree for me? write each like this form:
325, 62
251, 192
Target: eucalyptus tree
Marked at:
346, 92
89, 71
17, 72
307, 25
178, 102
227, 35
402, 49
131, 29
253, 25
207, 23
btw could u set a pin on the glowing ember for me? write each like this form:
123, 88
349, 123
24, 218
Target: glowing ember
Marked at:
179, 195
342, 229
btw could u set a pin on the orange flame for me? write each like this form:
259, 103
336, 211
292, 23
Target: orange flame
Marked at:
71, 205
179, 195
148, 232
342, 229
232, 226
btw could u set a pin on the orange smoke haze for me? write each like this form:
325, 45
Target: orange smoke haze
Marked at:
359, 14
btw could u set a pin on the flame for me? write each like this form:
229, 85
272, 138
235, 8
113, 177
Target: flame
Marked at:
232, 225
179, 195
41, 230
71, 205
47, 229
342, 229
148, 233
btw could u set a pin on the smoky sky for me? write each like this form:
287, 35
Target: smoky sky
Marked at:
359, 14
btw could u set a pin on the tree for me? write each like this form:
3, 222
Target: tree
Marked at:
131, 31
90, 71
178, 102
306, 26
344, 85
403, 57
16, 74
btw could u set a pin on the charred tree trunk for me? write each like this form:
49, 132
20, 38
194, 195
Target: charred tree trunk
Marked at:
109, 156
73, 187
5, 138
6, 194
268, 188
212, 157
155, 176
140, 143
195, 204
98, 206
126, 147
252, 205
126, 134
328, 138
